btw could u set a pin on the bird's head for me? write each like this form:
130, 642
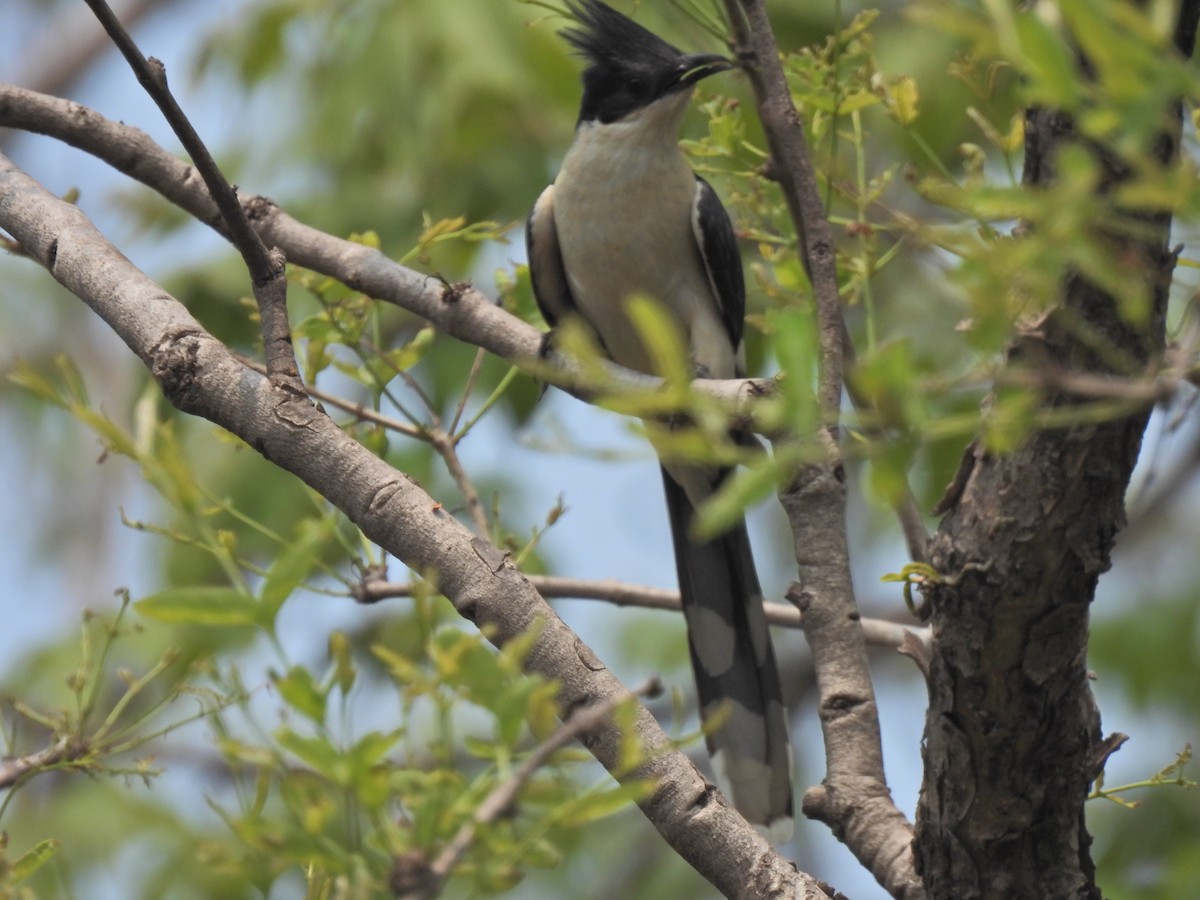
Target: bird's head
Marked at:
629, 68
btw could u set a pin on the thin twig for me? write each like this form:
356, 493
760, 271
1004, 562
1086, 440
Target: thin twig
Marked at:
1160, 383
266, 266
878, 632
445, 446
360, 412
68, 44
476, 365
64, 749
443, 443
500, 801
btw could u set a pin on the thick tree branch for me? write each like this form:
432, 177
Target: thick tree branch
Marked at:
457, 310
201, 377
853, 799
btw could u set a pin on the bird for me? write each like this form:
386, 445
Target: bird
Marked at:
627, 216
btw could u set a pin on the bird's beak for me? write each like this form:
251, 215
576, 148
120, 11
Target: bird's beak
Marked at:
695, 66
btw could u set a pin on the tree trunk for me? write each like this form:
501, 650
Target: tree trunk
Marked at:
1012, 736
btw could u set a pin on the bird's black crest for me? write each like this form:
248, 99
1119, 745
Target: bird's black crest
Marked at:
607, 37
628, 66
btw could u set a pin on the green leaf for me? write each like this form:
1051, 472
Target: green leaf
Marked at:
1053, 76
748, 485
900, 97
301, 692
411, 353
250, 754
600, 804
342, 655
32, 860
510, 710
542, 711
664, 342
796, 347
405, 671
885, 378
861, 99
518, 648
481, 749
374, 746
294, 564
316, 753
30, 379
632, 750
542, 854
201, 606
890, 464
1010, 419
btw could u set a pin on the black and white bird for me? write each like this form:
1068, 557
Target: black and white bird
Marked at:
627, 216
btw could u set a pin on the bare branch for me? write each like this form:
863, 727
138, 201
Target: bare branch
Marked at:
266, 267
69, 42
445, 447
65, 749
878, 632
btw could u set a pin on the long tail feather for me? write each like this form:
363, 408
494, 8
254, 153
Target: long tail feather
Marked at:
734, 665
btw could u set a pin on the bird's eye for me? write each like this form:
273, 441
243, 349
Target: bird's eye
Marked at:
636, 86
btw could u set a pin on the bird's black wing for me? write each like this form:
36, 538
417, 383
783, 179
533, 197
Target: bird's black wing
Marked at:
715, 239
550, 286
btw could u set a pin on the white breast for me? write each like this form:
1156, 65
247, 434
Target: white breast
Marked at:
623, 209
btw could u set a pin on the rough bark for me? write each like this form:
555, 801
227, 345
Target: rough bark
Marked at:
1012, 737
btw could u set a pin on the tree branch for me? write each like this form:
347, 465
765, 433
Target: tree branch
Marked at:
457, 310
69, 43
473, 318
791, 166
877, 632
201, 377
65, 749
853, 799
267, 274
